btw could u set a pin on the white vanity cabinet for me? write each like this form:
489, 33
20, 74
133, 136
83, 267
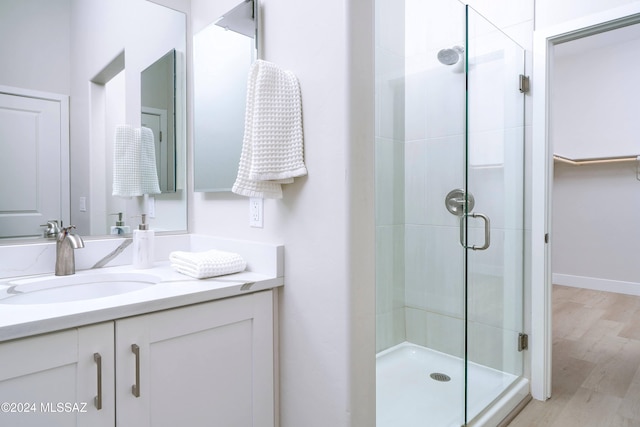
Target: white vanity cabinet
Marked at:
205, 364
209, 364
59, 379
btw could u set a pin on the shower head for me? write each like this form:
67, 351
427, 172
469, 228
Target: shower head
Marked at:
450, 56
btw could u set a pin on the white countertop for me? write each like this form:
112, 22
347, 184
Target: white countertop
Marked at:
174, 290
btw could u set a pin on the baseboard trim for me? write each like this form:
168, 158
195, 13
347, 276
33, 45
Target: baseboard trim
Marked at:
596, 284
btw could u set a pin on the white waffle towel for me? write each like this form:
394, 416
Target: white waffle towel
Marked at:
134, 162
272, 147
206, 264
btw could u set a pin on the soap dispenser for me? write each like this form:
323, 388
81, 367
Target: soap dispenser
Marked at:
120, 228
143, 245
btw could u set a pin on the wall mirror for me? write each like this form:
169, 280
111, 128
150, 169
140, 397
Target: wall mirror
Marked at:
79, 69
223, 51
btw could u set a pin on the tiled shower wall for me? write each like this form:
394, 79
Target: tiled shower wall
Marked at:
434, 165
390, 153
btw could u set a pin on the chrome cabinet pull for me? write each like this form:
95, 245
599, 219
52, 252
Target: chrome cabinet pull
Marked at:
98, 399
135, 389
487, 232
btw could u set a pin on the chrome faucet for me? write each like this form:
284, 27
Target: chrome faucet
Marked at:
65, 257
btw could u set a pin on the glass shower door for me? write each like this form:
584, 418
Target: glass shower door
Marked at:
449, 276
493, 229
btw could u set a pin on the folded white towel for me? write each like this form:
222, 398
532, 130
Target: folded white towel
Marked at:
272, 147
134, 162
207, 264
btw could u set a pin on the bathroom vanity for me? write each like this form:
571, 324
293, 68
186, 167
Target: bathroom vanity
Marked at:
177, 352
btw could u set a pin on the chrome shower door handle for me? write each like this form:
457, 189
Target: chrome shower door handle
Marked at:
487, 232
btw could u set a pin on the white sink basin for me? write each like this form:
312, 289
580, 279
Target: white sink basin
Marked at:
55, 289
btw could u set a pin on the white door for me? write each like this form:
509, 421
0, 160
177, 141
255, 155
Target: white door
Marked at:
33, 163
156, 120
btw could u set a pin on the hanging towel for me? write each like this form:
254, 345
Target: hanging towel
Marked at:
134, 162
272, 147
201, 265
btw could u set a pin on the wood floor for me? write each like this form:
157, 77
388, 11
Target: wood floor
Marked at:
596, 361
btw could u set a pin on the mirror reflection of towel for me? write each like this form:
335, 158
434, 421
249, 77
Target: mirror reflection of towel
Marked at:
134, 162
272, 148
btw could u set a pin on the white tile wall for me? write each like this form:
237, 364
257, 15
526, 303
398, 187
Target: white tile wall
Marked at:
389, 104
436, 331
389, 268
433, 168
434, 275
389, 180
494, 347
389, 184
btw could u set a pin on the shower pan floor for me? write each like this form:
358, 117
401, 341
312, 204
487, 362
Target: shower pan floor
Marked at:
407, 395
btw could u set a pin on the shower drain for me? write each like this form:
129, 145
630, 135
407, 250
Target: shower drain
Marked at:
440, 377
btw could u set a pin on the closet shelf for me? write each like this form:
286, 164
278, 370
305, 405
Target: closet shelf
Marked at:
592, 160
597, 160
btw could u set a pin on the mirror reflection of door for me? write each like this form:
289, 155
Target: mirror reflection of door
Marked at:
31, 167
156, 120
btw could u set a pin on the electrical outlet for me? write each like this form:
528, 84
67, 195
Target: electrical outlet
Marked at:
151, 207
83, 204
256, 206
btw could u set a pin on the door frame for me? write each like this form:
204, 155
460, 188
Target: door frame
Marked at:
161, 147
542, 179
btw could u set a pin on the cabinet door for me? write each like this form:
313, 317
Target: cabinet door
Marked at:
208, 364
52, 380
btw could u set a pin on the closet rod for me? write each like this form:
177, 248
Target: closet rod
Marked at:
579, 162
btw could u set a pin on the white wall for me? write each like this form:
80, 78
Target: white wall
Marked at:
595, 227
325, 220
593, 103
554, 12
48, 28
